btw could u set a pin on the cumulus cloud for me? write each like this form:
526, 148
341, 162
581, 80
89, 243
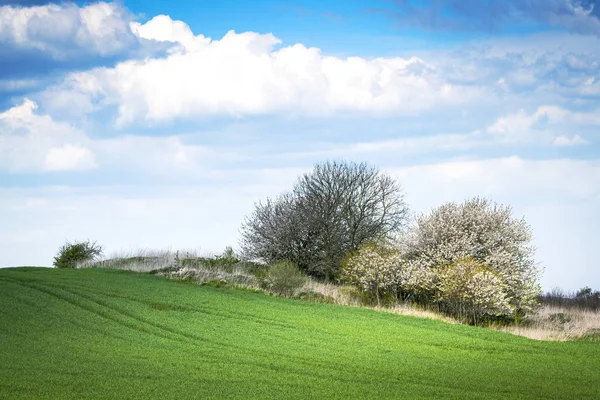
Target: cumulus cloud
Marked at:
27, 3
65, 31
544, 125
250, 74
41, 42
580, 16
30, 142
34, 142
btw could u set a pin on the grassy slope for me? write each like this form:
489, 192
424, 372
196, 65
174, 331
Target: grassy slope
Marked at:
114, 334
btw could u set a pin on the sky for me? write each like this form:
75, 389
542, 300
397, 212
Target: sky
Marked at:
159, 125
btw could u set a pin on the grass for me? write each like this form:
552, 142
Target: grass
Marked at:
97, 333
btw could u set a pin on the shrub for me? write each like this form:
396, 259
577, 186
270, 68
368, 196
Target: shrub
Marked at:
71, 254
374, 270
380, 270
465, 288
487, 233
283, 278
471, 291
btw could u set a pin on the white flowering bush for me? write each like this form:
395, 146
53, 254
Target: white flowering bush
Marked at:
381, 270
373, 269
471, 291
487, 233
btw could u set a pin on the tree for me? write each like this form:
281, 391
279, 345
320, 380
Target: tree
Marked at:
72, 254
485, 232
331, 211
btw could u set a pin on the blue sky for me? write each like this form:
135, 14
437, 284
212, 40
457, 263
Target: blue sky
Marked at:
158, 125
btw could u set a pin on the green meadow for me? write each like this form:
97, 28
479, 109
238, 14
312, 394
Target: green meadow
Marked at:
98, 333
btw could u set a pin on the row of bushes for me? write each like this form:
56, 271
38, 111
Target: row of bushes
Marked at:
585, 299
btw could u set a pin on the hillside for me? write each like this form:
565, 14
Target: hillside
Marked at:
113, 334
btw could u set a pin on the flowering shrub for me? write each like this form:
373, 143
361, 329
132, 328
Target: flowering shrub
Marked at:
373, 269
485, 232
471, 291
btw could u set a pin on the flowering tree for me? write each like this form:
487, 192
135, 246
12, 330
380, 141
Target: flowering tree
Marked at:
486, 233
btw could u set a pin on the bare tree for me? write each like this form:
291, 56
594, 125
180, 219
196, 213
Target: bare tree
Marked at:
332, 210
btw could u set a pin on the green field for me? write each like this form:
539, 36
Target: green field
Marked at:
113, 334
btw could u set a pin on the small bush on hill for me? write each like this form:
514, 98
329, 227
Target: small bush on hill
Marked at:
71, 254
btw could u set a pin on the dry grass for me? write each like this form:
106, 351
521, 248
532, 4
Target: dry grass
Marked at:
141, 260
237, 277
557, 324
346, 295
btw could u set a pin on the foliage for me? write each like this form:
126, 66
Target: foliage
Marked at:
487, 233
331, 211
110, 334
71, 254
283, 278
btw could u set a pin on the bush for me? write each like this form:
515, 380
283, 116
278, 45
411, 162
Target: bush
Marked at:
486, 233
283, 278
381, 271
71, 254
471, 291
374, 269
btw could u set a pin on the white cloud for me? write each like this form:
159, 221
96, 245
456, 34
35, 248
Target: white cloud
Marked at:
509, 179
244, 74
30, 142
543, 124
63, 31
573, 141
69, 158
162, 28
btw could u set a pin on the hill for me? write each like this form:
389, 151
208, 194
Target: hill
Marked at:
97, 333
